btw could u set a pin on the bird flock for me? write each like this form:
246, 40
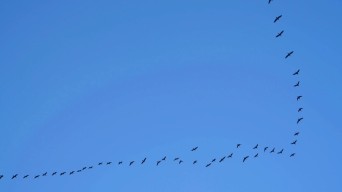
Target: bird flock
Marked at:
179, 160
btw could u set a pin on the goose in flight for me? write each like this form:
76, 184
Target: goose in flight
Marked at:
222, 159
300, 109
25, 176
72, 172
297, 84
63, 173
299, 97
289, 54
176, 159
230, 156
213, 160
293, 154
194, 149
265, 149
78, 171
256, 146
36, 176
277, 18
164, 158
84, 168
269, 1
90, 167
299, 120
272, 150
194, 162
100, 163
296, 73
1, 176
131, 163
180, 161
143, 161
108, 163
120, 162
14, 176
208, 165
158, 162
296, 134
279, 34
245, 158
256, 155
281, 151
54, 173
294, 142
44, 174
238, 145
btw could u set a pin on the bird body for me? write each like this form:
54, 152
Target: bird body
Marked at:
14, 176
281, 151
256, 155
143, 161
54, 173
176, 159
222, 159
194, 162
265, 149
294, 142
238, 145
158, 162
256, 146
297, 84
194, 149
25, 176
296, 134
277, 18
280, 34
289, 54
293, 154
272, 150
299, 97
296, 73
230, 156
164, 158
131, 163
208, 165
245, 158
299, 120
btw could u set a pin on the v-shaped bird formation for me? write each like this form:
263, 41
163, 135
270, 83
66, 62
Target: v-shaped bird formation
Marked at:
178, 160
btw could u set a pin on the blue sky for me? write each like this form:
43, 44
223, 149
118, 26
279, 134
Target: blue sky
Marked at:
84, 82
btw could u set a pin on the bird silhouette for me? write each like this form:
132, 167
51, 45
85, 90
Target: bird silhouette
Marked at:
265, 149
194, 149
36, 176
297, 84
256, 146
44, 174
300, 109
120, 162
1, 176
299, 120
256, 155
54, 173
131, 163
299, 97
280, 33
78, 171
164, 158
213, 160
294, 142
25, 176
176, 159
277, 18
72, 172
230, 156
100, 163
63, 173
269, 1
296, 73
143, 161
108, 163
245, 158
289, 54
208, 165
180, 161
222, 159
296, 134
293, 154
158, 162
238, 145
281, 151
90, 167
272, 150
194, 162
14, 176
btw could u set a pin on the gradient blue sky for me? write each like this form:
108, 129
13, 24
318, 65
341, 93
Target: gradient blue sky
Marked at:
90, 81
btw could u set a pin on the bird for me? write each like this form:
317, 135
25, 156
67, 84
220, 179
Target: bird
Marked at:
36, 176
299, 97
164, 158
158, 162
1, 176
100, 163
213, 160
269, 1
108, 163
72, 172
294, 142
289, 54
131, 163
208, 165
176, 159
299, 120
272, 150
296, 134
256, 155
265, 149
230, 156
281, 151
44, 174
300, 109
54, 173
194, 162
143, 161
222, 159
84, 168
180, 161
79, 170
194, 149
296, 73
245, 158
280, 33
63, 173
120, 162
277, 18
256, 146
90, 167
25, 176
293, 154
238, 145
14, 176
297, 84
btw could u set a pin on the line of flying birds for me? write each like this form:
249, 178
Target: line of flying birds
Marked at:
178, 159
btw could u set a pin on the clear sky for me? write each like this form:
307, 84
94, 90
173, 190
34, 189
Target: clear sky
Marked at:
84, 82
